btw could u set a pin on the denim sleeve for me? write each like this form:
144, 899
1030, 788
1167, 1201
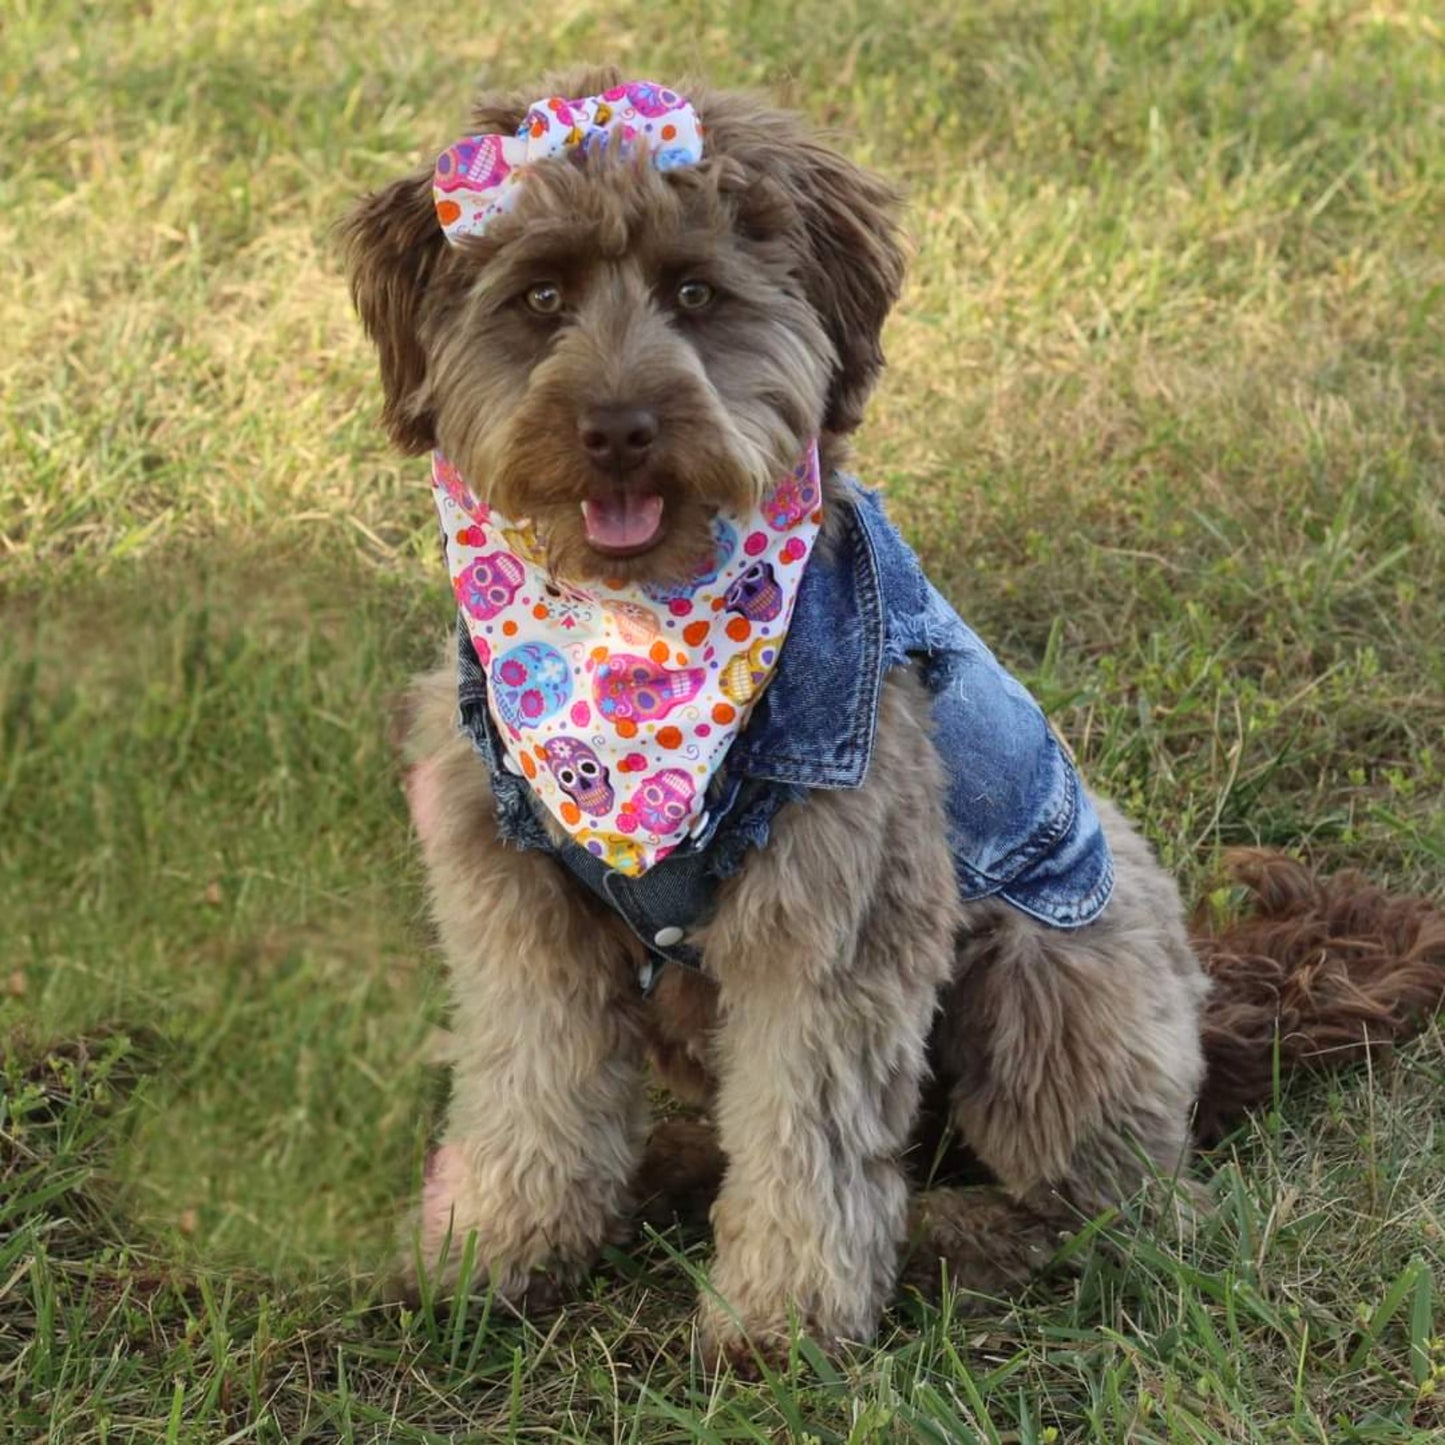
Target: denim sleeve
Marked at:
1020, 824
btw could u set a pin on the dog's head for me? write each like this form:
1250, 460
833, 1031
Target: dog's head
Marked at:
629, 349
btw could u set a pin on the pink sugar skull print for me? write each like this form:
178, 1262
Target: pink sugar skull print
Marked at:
651, 100
638, 689
796, 496
449, 479
478, 163
661, 804
488, 584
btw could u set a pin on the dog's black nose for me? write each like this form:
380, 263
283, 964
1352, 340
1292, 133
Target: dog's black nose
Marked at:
618, 438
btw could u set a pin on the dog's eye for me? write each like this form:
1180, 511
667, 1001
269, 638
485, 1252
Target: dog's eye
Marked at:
694, 296
545, 298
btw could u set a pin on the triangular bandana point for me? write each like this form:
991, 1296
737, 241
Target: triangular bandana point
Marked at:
618, 703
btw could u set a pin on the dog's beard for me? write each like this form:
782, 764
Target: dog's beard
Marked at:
534, 467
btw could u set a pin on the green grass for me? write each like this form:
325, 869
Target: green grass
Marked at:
1164, 418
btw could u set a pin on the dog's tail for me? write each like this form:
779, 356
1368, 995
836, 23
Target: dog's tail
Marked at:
1312, 973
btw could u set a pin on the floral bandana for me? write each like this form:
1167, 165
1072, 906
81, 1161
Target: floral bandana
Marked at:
619, 701
476, 179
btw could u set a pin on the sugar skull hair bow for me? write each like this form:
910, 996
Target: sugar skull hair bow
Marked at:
477, 178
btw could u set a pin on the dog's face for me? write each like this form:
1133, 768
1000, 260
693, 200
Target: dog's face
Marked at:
629, 350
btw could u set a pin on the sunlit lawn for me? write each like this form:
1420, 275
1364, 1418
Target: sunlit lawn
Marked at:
1165, 420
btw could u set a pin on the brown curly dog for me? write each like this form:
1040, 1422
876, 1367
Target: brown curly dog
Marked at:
625, 354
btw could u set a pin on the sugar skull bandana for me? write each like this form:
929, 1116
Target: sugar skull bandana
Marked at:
619, 701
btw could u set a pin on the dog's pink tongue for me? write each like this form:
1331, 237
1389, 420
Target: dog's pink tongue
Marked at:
622, 519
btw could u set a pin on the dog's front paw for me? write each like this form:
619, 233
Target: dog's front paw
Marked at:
726, 1343
749, 1345
456, 1240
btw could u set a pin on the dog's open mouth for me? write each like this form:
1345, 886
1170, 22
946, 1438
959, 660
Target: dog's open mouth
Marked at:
622, 521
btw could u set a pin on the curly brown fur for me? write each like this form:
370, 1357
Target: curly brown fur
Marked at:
839, 965
1315, 973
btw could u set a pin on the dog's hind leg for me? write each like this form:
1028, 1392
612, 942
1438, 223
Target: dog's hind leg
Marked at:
984, 1241
1074, 1057
547, 1108
829, 949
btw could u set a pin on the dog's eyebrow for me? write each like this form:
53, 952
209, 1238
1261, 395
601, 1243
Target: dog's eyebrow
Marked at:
700, 257
535, 256
698, 251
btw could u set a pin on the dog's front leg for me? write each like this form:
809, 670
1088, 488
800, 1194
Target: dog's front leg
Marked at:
547, 1109
544, 1125
829, 949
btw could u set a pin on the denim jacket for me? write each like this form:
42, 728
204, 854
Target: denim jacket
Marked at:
1020, 826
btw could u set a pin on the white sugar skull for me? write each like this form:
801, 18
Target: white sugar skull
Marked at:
638, 625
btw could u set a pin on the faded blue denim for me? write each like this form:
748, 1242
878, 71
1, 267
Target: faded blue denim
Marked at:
1020, 825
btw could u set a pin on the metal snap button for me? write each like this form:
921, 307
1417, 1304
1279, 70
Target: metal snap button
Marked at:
666, 937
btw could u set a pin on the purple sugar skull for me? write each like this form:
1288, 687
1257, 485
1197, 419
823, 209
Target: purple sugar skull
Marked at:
488, 584
530, 683
580, 774
628, 688
663, 801
649, 99
756, 594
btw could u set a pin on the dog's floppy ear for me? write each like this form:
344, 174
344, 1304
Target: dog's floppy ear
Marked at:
846, 224
393, 245
849, 216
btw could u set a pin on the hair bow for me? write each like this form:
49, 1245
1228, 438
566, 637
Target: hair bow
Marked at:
477, 178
